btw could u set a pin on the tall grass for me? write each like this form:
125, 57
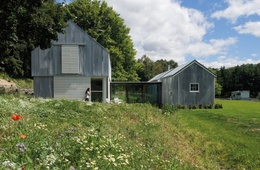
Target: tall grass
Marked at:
64, 134
20, 82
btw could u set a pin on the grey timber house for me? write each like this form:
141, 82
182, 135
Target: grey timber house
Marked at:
71, 65
189, 84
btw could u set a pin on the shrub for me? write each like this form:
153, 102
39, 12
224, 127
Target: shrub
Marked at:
218, 106
179, 106
208, 106
169, 109
194, 107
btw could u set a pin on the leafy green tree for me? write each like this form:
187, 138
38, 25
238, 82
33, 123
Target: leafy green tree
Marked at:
26, 24
147, 68
104, 25
244, 77
164, 65
218, 87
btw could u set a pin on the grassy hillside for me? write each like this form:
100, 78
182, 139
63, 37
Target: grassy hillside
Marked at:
20, 83
63, 134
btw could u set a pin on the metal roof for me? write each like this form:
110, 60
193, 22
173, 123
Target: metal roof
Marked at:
159, 76
177, 70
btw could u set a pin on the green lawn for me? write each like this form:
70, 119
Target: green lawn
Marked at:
228, 136
65, 134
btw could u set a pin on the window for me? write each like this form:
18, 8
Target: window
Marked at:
194, 87
70, 59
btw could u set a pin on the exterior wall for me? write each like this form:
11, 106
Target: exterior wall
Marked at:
176, 88
71, 87
43, 87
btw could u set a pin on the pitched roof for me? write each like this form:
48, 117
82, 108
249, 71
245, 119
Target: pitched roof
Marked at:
177, 70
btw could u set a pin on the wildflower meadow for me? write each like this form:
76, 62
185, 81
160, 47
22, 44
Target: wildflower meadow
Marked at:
62, 134
42, 134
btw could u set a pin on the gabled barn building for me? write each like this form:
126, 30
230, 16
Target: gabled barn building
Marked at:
71, 65
188, 84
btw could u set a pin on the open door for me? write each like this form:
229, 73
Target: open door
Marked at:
96, 90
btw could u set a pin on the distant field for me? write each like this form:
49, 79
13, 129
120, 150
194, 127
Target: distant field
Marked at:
229, 137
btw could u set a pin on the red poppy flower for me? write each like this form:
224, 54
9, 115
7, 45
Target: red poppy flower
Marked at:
23, 136
16, 117
24, 167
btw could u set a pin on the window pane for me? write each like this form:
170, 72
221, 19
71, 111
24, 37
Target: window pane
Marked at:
194, 87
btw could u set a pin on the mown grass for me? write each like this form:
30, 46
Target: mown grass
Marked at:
227, 137
65, 134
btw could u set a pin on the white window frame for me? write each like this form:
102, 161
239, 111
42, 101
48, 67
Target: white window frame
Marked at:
194, 87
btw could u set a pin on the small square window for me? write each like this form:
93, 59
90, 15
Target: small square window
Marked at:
194, 87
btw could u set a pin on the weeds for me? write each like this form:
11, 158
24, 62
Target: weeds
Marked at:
40, 133
62, 134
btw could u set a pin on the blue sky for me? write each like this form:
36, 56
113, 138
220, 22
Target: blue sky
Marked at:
215, 32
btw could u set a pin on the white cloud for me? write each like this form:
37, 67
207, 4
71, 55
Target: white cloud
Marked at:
238, 8
215, 46
229, 62
166, 30
249, 28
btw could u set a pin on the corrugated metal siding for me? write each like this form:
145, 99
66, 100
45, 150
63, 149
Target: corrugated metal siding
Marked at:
71, 87
176, 89
43, 87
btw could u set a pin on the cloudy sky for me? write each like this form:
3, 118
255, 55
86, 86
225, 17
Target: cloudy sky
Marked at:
215, 32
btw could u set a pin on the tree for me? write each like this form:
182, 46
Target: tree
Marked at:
244, 77
218, 87
164, 65
148, 69
145, 68
25, 25
104, 25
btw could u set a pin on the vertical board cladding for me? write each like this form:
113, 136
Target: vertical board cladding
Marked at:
71, 87
43, 87
176, 88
